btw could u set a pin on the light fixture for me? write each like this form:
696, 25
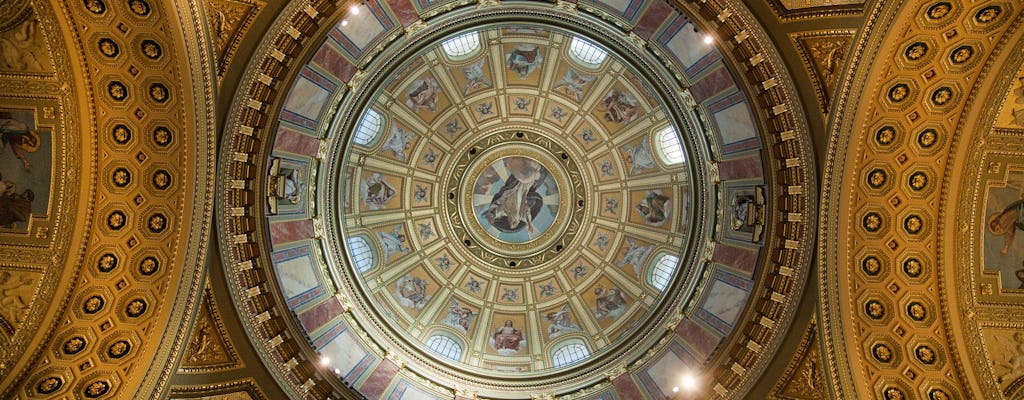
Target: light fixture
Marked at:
708, 39
337, 371
353, 9
689, 382
324, 360
344, 22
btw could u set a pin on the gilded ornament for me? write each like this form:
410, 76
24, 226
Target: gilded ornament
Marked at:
925, 354
913, 224
876, 178
116, 220
885, 135
93, 304
912, 267
988, 14
121, 133
871, 265
916, 311
74, 345
892, 393
139, 7
135, 308
874, 309
942, 96
158, 92
899, 92
121, 177
119, 349
49, 385
918, 181
149, 266
97, 389
961, 55
162, 136
939, 10
117, 91
882, 353
916, 51
927, 138
872, 222
157, 223
161, 179
96, 6
151, 49
109, 48
938, 394
107, 262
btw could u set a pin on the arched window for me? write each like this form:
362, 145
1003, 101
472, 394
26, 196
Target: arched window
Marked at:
669, 147
445, 346
368, 129
462, 45
661, 274
568, 353
586, 53
362, 256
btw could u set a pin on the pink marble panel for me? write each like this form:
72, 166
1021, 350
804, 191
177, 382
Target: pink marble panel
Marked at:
290, 231
313, 318
736, 257
749, 167
332, 61
700, 339
716, 81
404, 10
377, 383
296, 143
626, 388
656, 14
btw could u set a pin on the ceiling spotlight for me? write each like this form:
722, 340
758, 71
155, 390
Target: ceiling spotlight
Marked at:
675, 389
353, 9
689, 382
337, 371
325, 360
708, 39
344, 22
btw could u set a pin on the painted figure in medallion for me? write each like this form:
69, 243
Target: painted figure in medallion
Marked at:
458, 317
16, 135
523, 59
560, 323
507, 339
620, 106
654, 208
411, 292
422, 95
517, 203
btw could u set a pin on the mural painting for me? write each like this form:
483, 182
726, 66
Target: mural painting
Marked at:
515, 199
475, 77
745, 212
379, 191
507, 339
422, 95
459, 317
412, 291
560, 322
652, 208
25, 163
523, 59
633, 253
1004, 223
393, 241
572, 84
400, 141
608, 302
638, 157
619, 106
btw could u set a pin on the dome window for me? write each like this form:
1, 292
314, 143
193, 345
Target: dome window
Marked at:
462, 45
368, 129
661, 274
587, 53
569, 353
362, 257
669, 147
445, 346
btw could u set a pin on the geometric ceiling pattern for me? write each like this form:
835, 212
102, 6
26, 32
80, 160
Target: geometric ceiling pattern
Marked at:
247, 199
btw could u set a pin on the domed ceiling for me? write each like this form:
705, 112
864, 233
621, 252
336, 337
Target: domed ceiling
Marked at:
509, 199
513, 199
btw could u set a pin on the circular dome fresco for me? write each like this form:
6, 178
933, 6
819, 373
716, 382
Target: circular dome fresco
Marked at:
514, 200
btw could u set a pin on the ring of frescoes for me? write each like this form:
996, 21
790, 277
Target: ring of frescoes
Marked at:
467, 225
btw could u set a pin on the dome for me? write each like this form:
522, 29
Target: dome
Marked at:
510, 190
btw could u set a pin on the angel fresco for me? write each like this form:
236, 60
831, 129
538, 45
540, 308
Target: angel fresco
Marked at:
458, 317
475, 78
399, 141
422, 95
572, 83
610, 303
620, 106
16, 135
560, 323
634, 255
507, 339
393, 242
639, 157
523, 59
411, 292
654, 208
376, 191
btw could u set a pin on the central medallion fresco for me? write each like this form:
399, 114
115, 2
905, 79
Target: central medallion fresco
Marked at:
515, 199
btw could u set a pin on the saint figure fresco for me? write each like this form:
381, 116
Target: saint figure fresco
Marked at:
507, 339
